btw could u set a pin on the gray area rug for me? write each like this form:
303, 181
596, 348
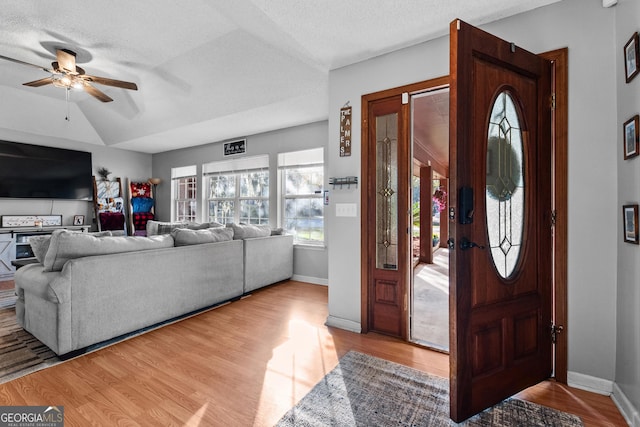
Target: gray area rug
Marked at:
20, 352
366, 391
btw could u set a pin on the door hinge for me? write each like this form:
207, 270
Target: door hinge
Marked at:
554, 218
553, 101
555, 330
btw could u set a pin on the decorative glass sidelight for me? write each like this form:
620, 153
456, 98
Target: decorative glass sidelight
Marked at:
505, 185
387, 192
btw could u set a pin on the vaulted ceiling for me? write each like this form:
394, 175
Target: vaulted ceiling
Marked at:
206, 70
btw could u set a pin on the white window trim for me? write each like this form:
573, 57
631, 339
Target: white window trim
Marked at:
300, 159
235, 167
178, 173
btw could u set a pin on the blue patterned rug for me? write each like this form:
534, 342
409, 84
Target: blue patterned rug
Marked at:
366, 391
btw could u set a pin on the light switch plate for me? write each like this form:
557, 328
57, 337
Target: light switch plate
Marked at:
346, 209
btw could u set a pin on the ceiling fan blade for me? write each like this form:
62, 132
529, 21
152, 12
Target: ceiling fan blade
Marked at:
66, 60
110, 82
25, 63
96, 93
41, 82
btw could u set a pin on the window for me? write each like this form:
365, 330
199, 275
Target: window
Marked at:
184, 193
302, 210
238, 190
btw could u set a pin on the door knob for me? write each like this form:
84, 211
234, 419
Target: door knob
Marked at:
467, 244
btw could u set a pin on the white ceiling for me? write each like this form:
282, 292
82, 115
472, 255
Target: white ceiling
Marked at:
206, 70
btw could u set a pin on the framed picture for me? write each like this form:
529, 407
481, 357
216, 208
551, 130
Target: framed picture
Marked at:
630, 221
631, 57
78, 220
630, 132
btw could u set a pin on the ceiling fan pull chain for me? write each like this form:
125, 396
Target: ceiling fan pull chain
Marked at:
66, 92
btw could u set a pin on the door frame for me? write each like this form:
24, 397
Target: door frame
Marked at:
366, 210
560, 79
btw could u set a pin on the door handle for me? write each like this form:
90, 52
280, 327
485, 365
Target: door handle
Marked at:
467, 244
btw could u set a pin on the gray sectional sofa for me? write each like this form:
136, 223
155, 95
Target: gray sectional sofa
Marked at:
89, 289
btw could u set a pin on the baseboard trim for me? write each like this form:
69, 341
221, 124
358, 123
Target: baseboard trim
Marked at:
628, 411
309, 279
589, 383
348, 325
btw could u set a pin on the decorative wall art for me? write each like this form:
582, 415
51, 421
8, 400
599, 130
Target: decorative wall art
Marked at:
78, 220
235, 147
631, 138
31, 220
630, 221
631, 57
345, 131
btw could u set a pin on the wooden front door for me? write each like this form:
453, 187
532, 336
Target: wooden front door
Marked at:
386, 186
501, 280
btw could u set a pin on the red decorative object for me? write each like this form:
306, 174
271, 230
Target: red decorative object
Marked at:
440, 198
140, 189
140, 222
111, 221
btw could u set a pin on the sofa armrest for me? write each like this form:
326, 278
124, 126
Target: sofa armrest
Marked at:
267, 260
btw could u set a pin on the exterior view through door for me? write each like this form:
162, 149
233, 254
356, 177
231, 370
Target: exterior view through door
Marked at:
429, 290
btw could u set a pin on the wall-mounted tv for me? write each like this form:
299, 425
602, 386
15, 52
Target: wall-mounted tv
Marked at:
36, 172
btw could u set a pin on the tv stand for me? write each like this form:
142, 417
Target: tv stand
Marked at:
15, 250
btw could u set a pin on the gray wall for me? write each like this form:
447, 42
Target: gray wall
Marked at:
310, 264
593, 205
628, 307
123, 164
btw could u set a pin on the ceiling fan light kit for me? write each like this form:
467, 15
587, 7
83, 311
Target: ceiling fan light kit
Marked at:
67, 75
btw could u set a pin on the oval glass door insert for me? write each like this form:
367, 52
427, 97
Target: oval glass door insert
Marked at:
505, 185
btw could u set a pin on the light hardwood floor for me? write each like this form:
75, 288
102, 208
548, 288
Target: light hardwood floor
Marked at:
242, 364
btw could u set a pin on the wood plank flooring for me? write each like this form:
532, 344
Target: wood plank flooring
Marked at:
242, 364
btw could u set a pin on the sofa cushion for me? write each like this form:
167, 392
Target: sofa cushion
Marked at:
249, 231
185, 237
40, 244
66, 245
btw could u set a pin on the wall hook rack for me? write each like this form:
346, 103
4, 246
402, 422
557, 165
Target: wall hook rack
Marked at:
348, 181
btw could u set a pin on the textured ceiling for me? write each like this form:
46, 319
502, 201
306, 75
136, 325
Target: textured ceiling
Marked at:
206, 71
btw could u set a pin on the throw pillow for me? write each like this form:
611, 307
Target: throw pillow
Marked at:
249, 231
140, 189
185, 237
141, 204
40, 246
277, 231
168, 228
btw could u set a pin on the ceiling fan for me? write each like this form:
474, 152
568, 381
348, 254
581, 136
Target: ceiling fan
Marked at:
66, 74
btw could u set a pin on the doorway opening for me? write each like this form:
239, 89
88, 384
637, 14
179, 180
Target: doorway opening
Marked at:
429, 288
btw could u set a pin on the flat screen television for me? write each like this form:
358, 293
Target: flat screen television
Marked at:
36, 172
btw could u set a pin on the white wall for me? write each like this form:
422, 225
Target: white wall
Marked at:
310, 264
628, 308
593, 211
122, 163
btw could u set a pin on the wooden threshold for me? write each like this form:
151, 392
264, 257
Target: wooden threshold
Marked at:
243, 364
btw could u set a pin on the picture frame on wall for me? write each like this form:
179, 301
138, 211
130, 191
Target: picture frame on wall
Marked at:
78, 220
631, 57
630, 223
631, 138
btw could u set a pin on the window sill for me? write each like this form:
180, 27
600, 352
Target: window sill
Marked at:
309, 247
